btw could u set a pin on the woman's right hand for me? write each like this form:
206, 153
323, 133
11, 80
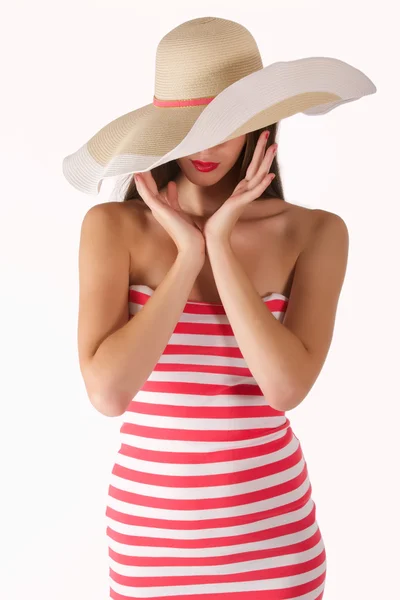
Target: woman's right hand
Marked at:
167, 211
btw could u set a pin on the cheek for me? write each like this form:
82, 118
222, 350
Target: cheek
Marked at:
184, 164
237, 143
235, 149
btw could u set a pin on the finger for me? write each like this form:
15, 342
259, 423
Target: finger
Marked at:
162, 195
172, 195
269, 157
257, 189
257, 156
173, 201
148, 179
144, 191
264, 167
140, 186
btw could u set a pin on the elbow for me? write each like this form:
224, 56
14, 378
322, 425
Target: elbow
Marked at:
108, 403
287, 404
292, 391
288, 399
294, 394
103, 395
109, 406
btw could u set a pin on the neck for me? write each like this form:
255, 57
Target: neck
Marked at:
202, 201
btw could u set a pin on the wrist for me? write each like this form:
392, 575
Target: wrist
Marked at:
192, 257
217, 243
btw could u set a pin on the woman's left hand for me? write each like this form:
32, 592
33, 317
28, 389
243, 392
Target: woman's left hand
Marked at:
220, 225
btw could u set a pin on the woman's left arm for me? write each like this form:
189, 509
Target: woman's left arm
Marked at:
286, 358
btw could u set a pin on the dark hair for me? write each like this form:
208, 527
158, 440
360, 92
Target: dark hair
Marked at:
168, 171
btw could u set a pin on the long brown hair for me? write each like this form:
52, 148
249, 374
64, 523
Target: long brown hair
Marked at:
168, 171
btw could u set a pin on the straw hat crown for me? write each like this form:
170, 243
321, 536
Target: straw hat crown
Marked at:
201, 57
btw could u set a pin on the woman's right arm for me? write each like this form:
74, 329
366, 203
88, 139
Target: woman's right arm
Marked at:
117, 355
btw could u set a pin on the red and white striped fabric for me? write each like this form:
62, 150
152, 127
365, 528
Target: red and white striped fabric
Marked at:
209, 497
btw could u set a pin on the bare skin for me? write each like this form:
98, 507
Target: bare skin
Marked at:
273, 245
267, 240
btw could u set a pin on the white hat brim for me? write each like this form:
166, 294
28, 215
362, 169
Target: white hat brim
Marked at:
312, 85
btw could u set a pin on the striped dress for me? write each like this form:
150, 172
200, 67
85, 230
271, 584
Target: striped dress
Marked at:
209, 497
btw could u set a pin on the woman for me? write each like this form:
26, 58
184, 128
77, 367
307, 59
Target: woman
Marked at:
210, 492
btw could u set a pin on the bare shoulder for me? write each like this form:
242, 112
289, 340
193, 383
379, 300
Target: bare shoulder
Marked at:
122, 221
119, 215
326, 239
325, 216
104, 259
331, 227
314, 223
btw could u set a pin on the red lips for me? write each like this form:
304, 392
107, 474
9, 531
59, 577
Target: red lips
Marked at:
204, 166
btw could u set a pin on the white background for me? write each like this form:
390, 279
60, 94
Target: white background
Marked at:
68, 69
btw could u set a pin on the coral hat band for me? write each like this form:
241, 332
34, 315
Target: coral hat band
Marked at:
190, 102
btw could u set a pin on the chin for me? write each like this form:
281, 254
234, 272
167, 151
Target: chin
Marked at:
203, 179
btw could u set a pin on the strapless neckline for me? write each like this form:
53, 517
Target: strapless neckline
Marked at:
271, 296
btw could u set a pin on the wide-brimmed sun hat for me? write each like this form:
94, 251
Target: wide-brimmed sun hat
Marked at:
210, 87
